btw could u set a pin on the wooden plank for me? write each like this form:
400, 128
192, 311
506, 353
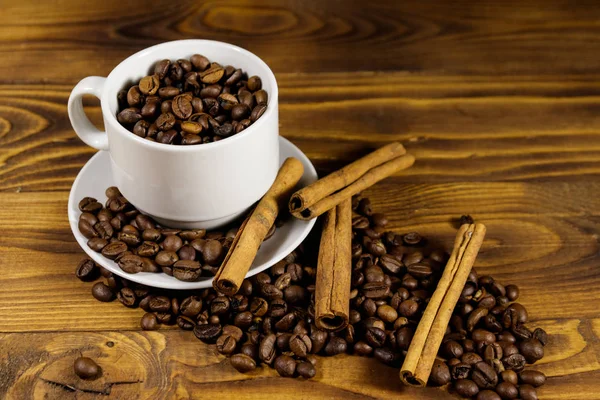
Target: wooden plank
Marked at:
458, 130
176, 363
541, 236
434, 37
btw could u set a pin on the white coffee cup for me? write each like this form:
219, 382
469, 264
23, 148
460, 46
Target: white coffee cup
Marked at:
199, 186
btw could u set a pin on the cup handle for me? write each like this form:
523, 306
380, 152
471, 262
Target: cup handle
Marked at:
86, 131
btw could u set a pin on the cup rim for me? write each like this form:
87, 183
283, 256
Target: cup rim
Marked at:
271, 106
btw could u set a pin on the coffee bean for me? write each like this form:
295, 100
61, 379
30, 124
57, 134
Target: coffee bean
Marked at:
212, 74
521, 332
286, 322
471, 358
208, 333
87, 270
266, 350
336, 345
466, 388
532, 350
131, 263
243, 363
86, 368
488, 395
404, 336
226, 344
295, 295
306, 370
540, 335
387, 313
186, 270
481, 335
102, 292
484, 375
475, 317
460, 371
516, 362
440, 374
300, 344
149, 322
166, 258
285, 365
127, 297
212, 252
509, 376
527, 392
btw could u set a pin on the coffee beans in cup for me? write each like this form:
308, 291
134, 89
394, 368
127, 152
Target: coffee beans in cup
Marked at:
270, 320
191, 101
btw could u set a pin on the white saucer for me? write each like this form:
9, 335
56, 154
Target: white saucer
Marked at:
96, 176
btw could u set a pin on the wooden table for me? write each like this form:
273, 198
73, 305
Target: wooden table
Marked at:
499, 101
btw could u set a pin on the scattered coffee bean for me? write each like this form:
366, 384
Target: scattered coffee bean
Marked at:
86, 368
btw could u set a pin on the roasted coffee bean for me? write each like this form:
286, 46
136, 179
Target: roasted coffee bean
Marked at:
212, 252
220, 305
533, 378
285, 366
267, 349
278, 308
295, 295
186, 270
471, 358
166, 258
131, 263
387, 313
375, 337
362, 348
404, 336
87, 230
481, 335
336, 345
460, 371
318, 339
540, 335
527, 392
306, 370
149, 322
259, 306
385, 355
521, 332
376, 290
509, 376
532, 350
507, 391
286, 322
440, 374
300, 344
492, 351
243, 320
515, 362
127, 297
491, 324
488, 395
466, 388
226, 344
283, 341
87, 270
243, 363
148, 249
212, 74
484, 375
102, 292
86, 368
475, 317
208, 333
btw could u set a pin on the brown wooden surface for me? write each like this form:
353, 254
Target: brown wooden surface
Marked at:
498, 100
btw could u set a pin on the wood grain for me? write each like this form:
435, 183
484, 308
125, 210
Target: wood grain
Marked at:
334, 118
174, 363
434, 37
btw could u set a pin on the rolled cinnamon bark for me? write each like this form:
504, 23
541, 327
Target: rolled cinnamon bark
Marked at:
326, 193
334, 269
428, 337
253, 231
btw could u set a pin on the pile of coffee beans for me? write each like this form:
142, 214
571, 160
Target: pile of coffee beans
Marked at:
137, 243
271, 319
193, 101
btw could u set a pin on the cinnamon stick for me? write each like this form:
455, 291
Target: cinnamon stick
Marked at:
326, 193
334, 269
253, 231
426, 341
